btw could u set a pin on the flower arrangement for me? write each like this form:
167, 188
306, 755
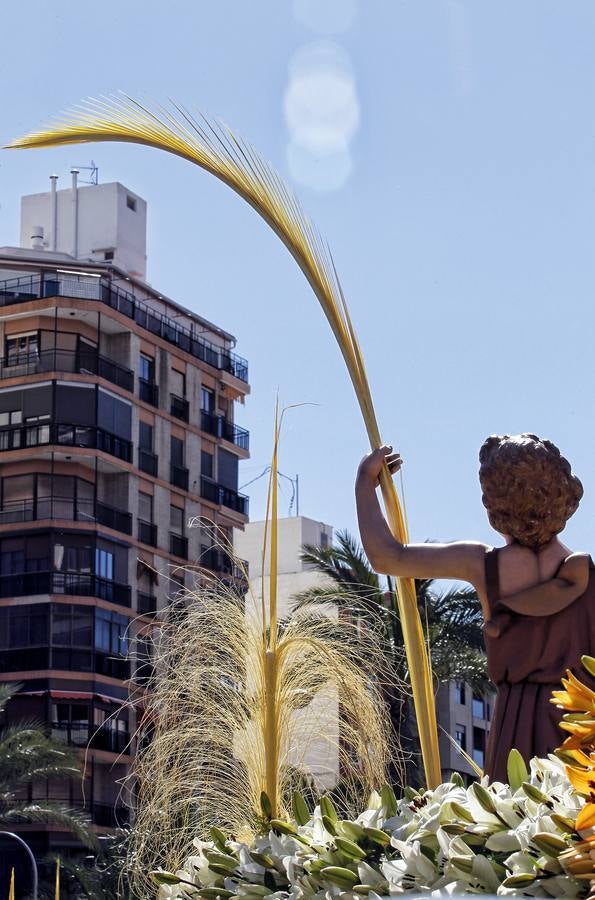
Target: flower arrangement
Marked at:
526, 837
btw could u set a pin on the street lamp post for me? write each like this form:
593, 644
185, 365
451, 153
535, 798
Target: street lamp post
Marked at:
26, 846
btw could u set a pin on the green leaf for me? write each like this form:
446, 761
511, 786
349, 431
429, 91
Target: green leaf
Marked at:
589, 664
350, 848
461, 812
457, 779
377, 836
165, 878
219, 838
351, 830
330, 826
283, 827
517, 770
519, 880
300, 810
536, 795
389, 800
550, 844
327, 809
344, 878
265, 805
484, 798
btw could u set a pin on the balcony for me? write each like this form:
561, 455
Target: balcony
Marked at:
79, 735
146, 604
89, 436
178, 545
69, 659
147, 533
223, 563
148, 392
54, 507
223, 496
147, 462
102, 290
178, 475
84, 362
221, 427
78, 584
106, 815
179, 407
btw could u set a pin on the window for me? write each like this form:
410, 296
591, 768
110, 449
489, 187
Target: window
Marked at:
207, 400
206, 464
178, 383
72, 626
460, 692
110, 632
461, 736
145, 436
70, 723
145, 507
104, 564
323, 539
14, 417
146, 368
41, 433
479, 742
108, 255
176, 520
478, 707
22, 348
131, 202
177, 451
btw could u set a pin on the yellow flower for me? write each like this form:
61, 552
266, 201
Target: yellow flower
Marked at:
575, 696
583, 780
579, 861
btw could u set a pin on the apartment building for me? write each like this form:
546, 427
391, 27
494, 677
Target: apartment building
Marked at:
119, 456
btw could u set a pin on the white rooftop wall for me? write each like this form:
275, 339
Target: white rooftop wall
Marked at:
111, 219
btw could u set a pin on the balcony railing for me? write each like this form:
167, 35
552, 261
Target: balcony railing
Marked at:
222, 562
83, 362
20, 437
80, 735
148, 392
179, 476
179, 407
178, 545
70, 659
222, 428
223, 496
32, 287
80, 510
147, 462
146, 604
106, 815
80, 584
147, 533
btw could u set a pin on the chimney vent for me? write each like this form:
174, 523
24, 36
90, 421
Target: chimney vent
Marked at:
37, 237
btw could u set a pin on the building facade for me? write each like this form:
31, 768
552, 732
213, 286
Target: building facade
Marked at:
119, 459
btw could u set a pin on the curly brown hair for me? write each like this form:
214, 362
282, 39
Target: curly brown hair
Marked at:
528, 487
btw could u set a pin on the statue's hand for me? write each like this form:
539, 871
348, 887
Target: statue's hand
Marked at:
371, 465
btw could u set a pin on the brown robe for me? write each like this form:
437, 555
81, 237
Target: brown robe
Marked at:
528, 653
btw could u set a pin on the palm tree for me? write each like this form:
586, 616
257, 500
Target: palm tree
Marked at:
452, 619
28, 754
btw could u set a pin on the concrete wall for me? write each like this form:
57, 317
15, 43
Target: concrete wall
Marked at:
105, 223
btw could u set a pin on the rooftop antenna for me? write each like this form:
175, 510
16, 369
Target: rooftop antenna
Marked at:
295, 488
93, 170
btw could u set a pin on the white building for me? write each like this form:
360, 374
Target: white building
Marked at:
319, 722
98, 223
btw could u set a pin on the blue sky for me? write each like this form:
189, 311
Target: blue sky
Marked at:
455, 141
